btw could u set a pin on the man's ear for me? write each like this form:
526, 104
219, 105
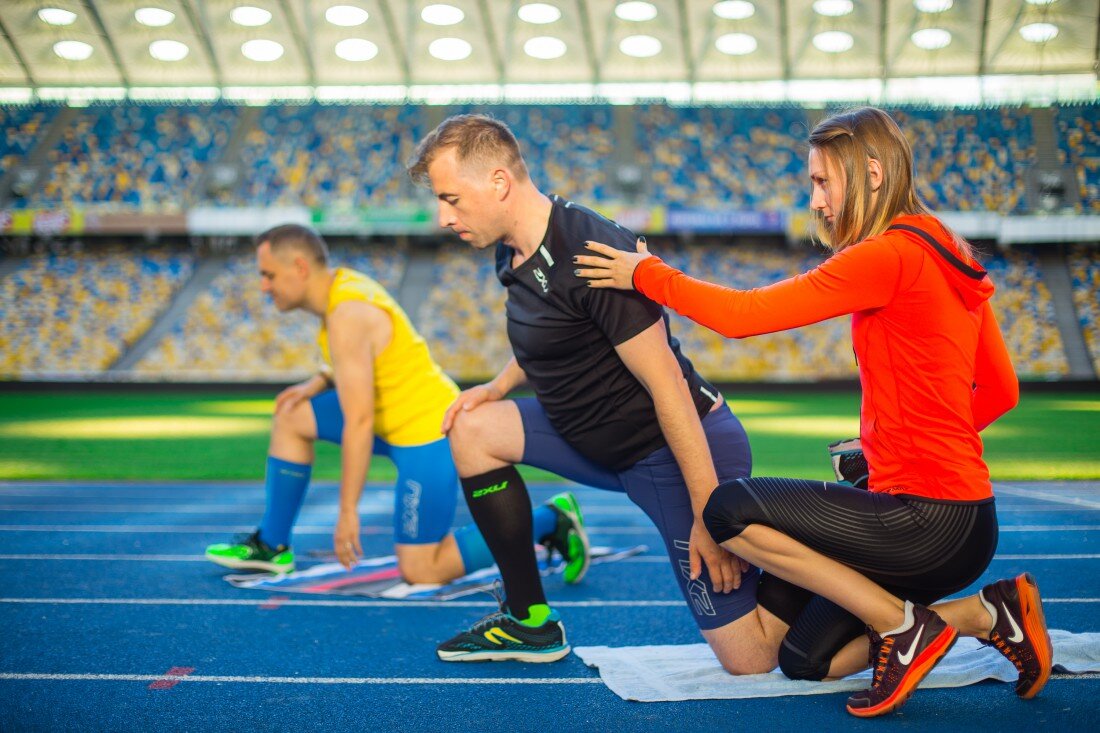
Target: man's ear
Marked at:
301, 264
501, 181
874, 172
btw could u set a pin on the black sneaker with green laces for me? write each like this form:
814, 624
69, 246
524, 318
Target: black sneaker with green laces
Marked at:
502, 637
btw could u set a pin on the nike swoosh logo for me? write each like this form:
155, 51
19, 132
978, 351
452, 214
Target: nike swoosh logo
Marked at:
1017, 634
907, 657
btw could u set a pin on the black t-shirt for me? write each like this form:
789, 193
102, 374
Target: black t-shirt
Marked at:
563, 334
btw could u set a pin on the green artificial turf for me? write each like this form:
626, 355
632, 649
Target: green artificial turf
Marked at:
165, 435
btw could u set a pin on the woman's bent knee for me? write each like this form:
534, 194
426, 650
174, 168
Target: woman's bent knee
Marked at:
723, 515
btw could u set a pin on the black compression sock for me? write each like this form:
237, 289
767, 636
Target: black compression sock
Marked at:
501, 508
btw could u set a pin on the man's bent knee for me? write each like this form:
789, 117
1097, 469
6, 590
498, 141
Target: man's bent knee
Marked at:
743, 646
297, 422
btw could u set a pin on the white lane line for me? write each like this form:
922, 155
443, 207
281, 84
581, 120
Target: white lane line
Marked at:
369, 603
315, 513
304, 680
236, 529
47, 677
133, 557
1050, 496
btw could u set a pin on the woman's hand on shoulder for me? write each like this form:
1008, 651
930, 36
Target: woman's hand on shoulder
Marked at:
611, 268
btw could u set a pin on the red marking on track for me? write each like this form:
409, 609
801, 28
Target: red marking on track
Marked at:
389, 574
273, 602
171, 678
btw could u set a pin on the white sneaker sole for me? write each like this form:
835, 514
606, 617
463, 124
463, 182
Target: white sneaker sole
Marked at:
513, 656
250, 565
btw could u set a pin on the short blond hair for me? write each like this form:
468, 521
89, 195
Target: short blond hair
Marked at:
479, 139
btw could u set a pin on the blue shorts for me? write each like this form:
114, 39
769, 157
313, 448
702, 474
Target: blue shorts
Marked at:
427, 483
656, 485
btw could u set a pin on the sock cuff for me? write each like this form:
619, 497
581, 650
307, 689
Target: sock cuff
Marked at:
289, 468
490, 482
906, 624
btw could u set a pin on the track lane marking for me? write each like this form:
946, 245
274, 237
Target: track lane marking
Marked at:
174, 679
132, 557
371, 603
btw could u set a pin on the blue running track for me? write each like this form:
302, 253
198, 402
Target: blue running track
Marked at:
112, 620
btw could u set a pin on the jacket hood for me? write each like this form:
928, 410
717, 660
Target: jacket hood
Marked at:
966, 276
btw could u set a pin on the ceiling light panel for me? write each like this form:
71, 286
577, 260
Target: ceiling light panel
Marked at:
346, 16
539, 13
154, 17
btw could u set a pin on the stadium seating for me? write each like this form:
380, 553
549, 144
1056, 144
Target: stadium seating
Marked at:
233, 332
320, 155
23, 128
970, 159
1025, 312
1078, 134
134, 156
731, 157
77, 313
150, 156
462, 318
1084, 267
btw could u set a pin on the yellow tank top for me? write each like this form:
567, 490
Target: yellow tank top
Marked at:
411, 392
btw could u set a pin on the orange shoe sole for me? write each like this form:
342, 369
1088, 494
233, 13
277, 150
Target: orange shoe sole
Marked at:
917, 672
1035, 626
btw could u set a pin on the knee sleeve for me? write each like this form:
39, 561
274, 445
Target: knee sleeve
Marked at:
817, 635
725, 512
800, 665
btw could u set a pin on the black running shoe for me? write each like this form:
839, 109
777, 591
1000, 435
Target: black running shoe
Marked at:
904, 659
500, 636
1020, 630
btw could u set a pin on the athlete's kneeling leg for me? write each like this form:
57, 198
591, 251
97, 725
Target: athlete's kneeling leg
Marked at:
814, 639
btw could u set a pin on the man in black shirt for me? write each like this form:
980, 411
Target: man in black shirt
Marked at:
616, 406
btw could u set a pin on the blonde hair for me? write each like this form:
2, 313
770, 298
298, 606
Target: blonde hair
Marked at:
846, 141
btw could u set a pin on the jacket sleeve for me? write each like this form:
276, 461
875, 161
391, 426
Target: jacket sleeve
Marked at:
996, 389
863, 276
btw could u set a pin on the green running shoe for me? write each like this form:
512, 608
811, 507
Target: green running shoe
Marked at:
249, 552
569, 538
501, 637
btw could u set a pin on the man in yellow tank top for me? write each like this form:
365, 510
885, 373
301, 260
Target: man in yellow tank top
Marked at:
380, 392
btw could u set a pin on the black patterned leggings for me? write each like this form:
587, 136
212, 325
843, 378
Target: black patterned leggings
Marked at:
916, 548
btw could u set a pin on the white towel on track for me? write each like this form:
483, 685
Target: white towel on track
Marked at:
691, 671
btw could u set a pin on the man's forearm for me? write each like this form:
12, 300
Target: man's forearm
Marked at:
355, 455
509, 378
684, 434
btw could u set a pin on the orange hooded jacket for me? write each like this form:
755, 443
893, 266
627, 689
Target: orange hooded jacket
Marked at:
932, 362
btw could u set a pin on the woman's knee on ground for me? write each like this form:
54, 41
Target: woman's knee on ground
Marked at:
799, 665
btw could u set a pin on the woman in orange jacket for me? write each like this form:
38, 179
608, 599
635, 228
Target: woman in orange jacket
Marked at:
934, 372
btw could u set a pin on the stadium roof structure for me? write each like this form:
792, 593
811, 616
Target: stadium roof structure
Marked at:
350, 48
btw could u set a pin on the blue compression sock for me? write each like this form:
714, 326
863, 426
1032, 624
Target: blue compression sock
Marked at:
475, 553
545, 521
286, 485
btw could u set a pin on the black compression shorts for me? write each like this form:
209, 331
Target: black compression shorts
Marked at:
918, 549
